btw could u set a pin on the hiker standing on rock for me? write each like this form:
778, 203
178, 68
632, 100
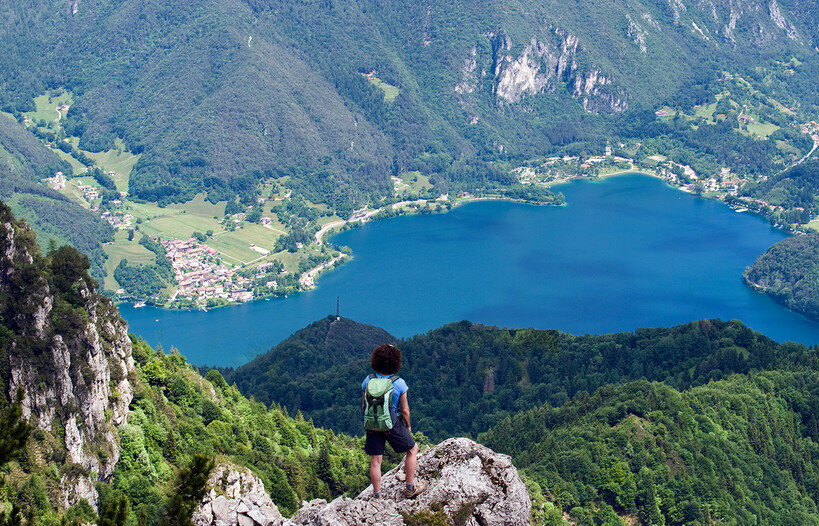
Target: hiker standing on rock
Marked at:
387, 418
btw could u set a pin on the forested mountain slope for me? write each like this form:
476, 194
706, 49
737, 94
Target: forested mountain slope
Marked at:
338, 94
742, 450
24, 162
465, 378
788, 272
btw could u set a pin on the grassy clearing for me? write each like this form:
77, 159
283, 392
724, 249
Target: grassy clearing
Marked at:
47, 109
179, 225
117, 160
121, 249
609, 170
814, 225
72, 192
390, 92
412, 184
290, 260
760, 129
788, 148
706, 111
76, 165
144, 211
779, 106
200, 206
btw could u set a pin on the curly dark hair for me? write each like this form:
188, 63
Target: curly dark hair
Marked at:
386, 359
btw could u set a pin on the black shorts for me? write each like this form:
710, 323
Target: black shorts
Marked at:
399, 438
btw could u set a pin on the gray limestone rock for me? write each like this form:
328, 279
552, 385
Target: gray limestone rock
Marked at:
236, 497
464, 480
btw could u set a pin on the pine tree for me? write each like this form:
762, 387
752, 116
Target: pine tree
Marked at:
113, 511
14, 430
14, 518
169, 448
190, 487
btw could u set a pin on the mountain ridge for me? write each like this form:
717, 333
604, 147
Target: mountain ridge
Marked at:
287, 81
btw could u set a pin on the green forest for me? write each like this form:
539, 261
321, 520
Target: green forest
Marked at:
465, 378
741, 450
788, 272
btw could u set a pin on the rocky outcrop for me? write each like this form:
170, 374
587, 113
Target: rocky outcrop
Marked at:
538, 68
780, 21
467, 483
70, 354
236, 496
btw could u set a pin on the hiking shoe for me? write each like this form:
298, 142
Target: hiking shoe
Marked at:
401, 476
420, 486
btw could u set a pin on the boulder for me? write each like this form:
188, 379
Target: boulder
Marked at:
466, 482
236, 497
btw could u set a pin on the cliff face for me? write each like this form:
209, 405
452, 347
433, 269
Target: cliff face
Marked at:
69, 350
540, 67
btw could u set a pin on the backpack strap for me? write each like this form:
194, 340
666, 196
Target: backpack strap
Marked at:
393, 378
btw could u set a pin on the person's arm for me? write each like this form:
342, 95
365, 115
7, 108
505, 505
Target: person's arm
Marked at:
403, 408
363, 402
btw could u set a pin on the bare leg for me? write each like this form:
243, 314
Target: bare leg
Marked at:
375, 472
409, 464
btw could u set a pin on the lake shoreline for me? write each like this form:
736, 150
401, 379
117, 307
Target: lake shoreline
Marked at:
405, 208
498, 263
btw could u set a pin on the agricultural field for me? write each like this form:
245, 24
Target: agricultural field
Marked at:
121, 249
235, 246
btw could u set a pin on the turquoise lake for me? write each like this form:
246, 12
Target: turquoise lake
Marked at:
624, 253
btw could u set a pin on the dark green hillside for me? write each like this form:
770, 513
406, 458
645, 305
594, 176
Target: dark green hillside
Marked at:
742, 450
789, 272
465, 378
218, 95
24, 162
795, 190
310, 369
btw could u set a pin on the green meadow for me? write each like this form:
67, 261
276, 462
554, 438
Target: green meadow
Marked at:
118, 160
412, 184
390, 92
121, 249
236, 244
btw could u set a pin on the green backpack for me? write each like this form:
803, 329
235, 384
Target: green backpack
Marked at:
378, 413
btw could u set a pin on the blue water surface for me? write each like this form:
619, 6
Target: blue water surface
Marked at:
624, 253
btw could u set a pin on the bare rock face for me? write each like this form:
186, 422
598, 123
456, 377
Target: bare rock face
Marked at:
70, 354
236, 497
539, 67
465, 480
